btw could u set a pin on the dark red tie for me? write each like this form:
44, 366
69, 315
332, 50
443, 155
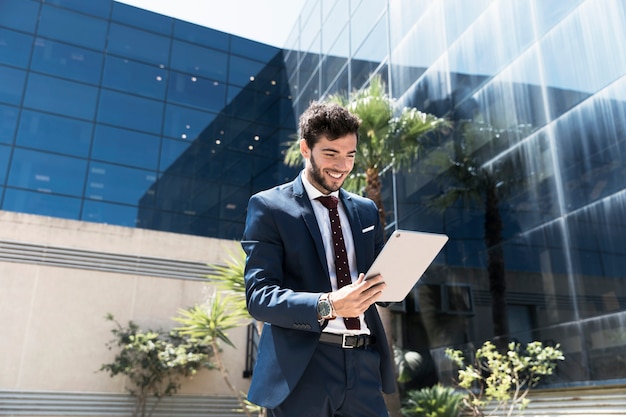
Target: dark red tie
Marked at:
341, 255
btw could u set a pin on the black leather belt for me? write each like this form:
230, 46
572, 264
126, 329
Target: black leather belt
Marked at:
347, 341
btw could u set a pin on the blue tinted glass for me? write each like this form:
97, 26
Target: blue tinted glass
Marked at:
242, 71
121, 215
97, 8
119, 184
138, 44
67, 61
8, 121
184, 123
172, 150
15, 48
130, 112
196, 91
204, 36
12, 85
43, 204
199, 61
252, 49
5, 151
133, 77
19, 14
188, 195
125, 147
54, 133
47, 173
71, 27
60, 96
144, 19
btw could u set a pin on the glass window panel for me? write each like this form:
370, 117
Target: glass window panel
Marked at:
42, 204
184, 123
47, 172
171, 152
19, 14
66, 61
134, 77
367, 15
125, 147
204, 36
71, 27
579, 36
5, 151
243, 71
54, 133
138, 44
60, 96
197, 60
96, 8
108, 213
197, 92
144, 19
8, 123
15, 48
12, 85
374, 46
191, 196
335, 22
310, 23
252, 49
130, 112
118, 184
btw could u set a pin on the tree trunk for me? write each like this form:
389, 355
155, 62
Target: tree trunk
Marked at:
495, 264
373, 192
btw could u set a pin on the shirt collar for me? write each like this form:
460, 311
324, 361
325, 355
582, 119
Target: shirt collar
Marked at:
313, 192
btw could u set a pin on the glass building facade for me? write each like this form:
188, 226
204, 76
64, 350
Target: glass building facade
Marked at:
113, 114
116, 115
535, 91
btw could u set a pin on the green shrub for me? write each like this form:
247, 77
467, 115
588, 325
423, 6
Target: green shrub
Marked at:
435, 401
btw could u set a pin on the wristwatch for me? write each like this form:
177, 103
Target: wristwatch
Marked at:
325, 309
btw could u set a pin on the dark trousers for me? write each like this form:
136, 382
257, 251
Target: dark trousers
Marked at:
337, 383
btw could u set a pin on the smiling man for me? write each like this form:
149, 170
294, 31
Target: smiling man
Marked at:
323, 349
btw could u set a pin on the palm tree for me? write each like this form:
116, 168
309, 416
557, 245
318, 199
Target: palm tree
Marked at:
466, 179
388, 138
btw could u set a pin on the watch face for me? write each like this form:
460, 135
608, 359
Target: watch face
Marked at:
323, 308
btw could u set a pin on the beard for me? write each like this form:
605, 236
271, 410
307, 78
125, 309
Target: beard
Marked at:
321, 182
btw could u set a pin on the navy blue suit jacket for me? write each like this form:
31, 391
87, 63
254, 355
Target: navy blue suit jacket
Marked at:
285, 273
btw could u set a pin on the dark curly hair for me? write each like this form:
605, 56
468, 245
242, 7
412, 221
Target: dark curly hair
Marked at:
327, 119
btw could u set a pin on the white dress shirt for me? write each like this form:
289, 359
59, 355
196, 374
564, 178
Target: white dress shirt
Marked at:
323, 221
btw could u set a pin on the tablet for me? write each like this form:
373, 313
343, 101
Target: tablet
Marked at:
403, 260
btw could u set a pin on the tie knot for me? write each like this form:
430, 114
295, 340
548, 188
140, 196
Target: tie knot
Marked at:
329, 201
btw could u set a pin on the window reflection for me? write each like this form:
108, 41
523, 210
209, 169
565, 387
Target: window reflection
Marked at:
54, 133
58, 96
112, 183
133, 77
47, 173
15, 48
71, 27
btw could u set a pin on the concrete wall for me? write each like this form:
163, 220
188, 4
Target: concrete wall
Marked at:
52, 308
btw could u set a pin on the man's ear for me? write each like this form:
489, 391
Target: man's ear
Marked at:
304, 148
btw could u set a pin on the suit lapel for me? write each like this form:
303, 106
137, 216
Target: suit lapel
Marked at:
310, 220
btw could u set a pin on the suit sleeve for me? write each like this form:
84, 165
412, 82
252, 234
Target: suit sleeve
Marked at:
267, 296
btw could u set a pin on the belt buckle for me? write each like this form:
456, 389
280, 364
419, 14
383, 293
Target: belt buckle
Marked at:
344, 342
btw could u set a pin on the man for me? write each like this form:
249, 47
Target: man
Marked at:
323, 350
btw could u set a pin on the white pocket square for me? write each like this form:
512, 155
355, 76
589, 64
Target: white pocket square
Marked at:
368, 229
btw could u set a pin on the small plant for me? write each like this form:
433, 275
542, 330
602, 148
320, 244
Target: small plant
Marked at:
504, 378
209, 322
154, 362
435, 401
